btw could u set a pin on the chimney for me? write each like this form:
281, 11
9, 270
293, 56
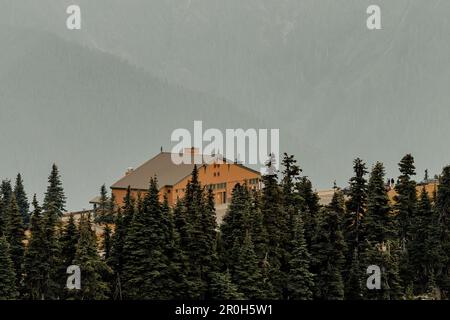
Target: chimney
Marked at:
191, 150
129, 170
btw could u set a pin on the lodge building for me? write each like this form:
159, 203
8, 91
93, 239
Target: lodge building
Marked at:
214, 171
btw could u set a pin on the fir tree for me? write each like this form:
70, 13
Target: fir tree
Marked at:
309, 207
68, 241
146, 265
275, 222
222, 287
300, 279
406, 198
246, 273
406, 210
378, 223
35, 264
5, 201
443, 211
8, 289
378, 247
15, 234
91, 265
55, 199
54, 206
107, 242
417, 247
356, 205
353, 285
328, 251
236, 221
22, 201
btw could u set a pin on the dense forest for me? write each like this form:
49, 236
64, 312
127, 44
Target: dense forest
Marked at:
273, 243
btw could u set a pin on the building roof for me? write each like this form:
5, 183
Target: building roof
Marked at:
167, 172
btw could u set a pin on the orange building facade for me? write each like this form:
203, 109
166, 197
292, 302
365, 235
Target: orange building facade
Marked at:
214, 172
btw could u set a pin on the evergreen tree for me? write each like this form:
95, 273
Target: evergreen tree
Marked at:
420, 259
22, 201
199, 234
328, 251
222, 287
378, 223
6, 192
406, 198
236, 222
309, 207
258, 231
406, 210
35, 265
443, 211
5, 201
378, 247
8, 289
146, 265
300, 279
15, 234
54, 207
122, 225
55, 199
91, 265
274, 222
246, 273
68, 241
107, 242
353, 285
356, 205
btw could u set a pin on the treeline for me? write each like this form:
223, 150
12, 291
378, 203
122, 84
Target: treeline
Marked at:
275, 243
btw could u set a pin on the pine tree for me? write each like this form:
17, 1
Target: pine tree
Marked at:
54, 207
178, 269
275, 222
6, 192
15, 234
8, 289
222, 287
443, 211
417, 247
353, 285
107, 242
5, 201
406, 198
258, 231
378, 223
378, 247
236, 221
35, 264
146, 265
22, 201
406, 210
2, 216
198, 235
93, 268
328, 250
300, 279
55, 199
246, 273
309, 207
356, 205
68, 241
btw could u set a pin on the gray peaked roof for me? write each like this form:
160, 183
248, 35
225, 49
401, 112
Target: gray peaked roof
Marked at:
167, 172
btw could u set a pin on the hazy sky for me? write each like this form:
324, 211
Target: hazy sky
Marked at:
106, 97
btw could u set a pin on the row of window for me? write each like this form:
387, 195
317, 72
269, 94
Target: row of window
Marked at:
253, 181
217, 186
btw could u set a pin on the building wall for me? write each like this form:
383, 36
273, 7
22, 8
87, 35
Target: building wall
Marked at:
221, 177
